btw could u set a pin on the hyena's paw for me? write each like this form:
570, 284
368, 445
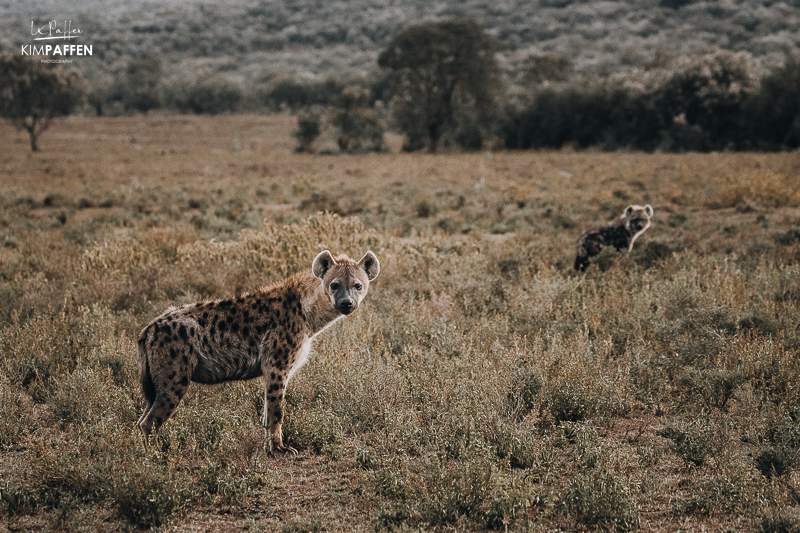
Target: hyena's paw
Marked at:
278, 448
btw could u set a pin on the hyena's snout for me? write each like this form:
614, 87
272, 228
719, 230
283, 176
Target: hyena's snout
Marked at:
346, 304
638, 223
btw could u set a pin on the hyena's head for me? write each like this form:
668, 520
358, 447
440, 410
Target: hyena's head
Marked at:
345, 281
637, 218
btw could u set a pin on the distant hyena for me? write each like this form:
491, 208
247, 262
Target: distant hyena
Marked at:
266, 333
620, 234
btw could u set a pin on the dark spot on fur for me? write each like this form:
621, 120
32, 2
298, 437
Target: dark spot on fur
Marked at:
172, 353
225, 303
234, 327
222, 326
182, 333
212, 331
240, 300
185, 381
229, 318
191, 332
246, 331
185, 360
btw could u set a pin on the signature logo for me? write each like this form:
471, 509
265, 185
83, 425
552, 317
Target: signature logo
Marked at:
52, 30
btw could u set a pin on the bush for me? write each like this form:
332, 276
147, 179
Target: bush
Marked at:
213, 96
456, 490
146, 494
316, 430
308, 129
775, 461
687, 444
781, 521
602, 500
524, 393
714, 387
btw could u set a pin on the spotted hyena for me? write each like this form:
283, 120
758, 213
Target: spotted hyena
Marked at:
620, 234
266, 333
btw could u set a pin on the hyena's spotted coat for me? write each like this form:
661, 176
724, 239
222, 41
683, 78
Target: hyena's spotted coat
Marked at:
622, 233
266, 333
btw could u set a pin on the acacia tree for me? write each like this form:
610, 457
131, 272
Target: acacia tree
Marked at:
33, 93
444, 77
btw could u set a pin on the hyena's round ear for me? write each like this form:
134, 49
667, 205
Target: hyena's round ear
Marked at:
322, 263
628, 210
370, 265
649, 210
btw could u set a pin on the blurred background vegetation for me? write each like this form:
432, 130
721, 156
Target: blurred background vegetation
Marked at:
668, 75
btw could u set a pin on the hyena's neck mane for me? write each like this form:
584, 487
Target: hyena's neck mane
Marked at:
316, 307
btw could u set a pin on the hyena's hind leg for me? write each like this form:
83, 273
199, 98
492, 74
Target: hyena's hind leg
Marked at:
163, 394
162, 408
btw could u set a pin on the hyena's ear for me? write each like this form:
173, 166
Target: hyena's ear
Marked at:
628, 210
370, 265
322, 263
649, 210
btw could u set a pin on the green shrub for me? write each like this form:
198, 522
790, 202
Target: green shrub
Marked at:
224, 484
521, 447
317, 430
687, 444
508, 502
456, 490
775, 461
781, 521
21, 499
601, 500
715, 387
573, 402
524, 394
146, 494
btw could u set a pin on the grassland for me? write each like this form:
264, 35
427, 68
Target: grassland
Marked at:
483, 386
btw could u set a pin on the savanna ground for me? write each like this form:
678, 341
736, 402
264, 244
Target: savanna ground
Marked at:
484, 385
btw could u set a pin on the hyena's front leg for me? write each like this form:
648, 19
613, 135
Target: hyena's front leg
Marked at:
274, 391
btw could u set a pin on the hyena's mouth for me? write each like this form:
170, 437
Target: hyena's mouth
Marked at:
346, 306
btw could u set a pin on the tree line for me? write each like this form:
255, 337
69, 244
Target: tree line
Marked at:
441, 86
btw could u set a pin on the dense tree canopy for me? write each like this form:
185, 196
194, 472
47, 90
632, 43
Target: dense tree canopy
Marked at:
446, 82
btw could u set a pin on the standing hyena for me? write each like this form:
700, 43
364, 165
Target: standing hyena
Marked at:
266, 333
620, 234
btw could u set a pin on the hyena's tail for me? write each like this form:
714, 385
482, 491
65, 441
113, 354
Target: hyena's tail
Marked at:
148, 387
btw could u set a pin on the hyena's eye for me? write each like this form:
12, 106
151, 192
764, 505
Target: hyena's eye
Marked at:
359, 286
334, 286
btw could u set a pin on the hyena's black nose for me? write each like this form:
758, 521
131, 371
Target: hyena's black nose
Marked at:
346, 305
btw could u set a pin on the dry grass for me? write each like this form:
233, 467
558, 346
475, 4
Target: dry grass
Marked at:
484, 385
